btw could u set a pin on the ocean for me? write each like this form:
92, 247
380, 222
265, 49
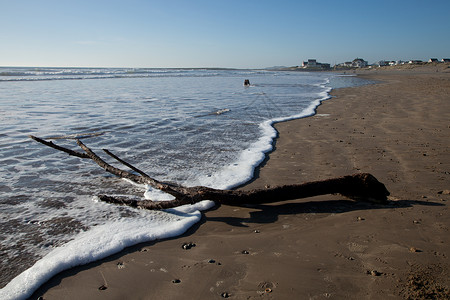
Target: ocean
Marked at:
188, 126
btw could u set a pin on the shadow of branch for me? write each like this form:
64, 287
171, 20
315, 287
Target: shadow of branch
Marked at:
266, 213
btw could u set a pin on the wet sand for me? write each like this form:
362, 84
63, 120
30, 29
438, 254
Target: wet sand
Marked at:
321, 247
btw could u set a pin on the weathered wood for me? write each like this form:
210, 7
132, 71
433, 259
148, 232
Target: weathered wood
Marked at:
60, 148
360, 187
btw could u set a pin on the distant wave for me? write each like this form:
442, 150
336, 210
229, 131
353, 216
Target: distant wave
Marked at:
40, 74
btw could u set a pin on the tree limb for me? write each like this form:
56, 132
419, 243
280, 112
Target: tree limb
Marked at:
360, 187
60, 148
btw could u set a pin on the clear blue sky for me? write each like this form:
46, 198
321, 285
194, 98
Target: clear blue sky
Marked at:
219, 33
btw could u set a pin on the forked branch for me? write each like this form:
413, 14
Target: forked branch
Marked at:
360, 187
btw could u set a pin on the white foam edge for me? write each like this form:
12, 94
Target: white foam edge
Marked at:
242, 170
102, 241
151, 193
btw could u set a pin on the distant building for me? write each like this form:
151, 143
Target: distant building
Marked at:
311, 63
413, 62
445, 60
359, 63
314, 65
382, 63
431, 60
348, 64
356, 63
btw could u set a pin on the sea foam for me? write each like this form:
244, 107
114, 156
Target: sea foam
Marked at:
102, 241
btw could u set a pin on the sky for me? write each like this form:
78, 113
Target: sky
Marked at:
219, 33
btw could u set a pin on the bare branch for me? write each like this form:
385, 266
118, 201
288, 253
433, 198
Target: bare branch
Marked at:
108, 167
54, 146
360, 187
152, 182
171, 189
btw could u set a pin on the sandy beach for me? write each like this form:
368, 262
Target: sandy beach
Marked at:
326, 247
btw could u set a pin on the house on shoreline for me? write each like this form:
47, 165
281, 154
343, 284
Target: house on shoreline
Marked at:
359, 63
312, 64
356, 63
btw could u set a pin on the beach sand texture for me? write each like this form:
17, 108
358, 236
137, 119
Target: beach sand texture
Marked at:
325, 247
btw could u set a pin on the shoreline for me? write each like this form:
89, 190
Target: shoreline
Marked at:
328, 243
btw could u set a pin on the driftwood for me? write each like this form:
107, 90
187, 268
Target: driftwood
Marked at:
360, 187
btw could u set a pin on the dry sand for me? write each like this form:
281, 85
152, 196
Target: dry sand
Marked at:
321, 247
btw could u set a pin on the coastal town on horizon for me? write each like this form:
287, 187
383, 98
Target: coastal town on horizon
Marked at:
357, 63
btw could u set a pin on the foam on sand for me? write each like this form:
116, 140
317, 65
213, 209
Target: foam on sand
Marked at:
102, 241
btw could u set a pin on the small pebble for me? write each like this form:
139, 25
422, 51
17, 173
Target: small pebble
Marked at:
211, 261
102, 287
416, 222
187, 246
225, 295
245, 252
256, 231
375, 273
360, 219
268, 290
176, 281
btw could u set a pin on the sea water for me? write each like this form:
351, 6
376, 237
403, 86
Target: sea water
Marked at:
187, 126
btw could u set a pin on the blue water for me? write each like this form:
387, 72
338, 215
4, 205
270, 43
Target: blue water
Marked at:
193, 127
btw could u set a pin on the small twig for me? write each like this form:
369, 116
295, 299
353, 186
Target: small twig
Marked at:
108, 168
60, 148
150, 180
